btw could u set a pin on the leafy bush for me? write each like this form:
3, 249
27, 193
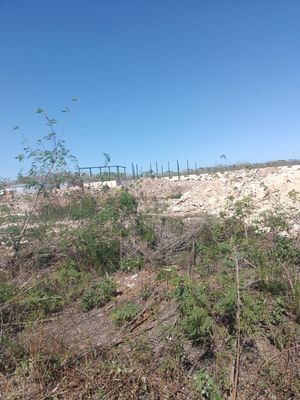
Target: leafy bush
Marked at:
117, 207
6, 292
127, 202
226, 305
193, 304
42, 300
97, 248
98, 295
51, 294
198, 325
206, 387
130, 264
286, 251
125, 313
145, 230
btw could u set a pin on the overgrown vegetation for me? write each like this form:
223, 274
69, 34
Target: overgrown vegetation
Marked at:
182, 309
98, 295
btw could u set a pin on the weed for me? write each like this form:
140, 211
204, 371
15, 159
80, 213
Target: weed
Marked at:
141, 350
51, 294
93, 247
125, 313
192, 304
127, 202
146, 292
167, 274
79, 207
98, 295
130, 264
145, 231
286, 251
276, 315
6, 292
45, 368
198, 325
11, 353
206, 387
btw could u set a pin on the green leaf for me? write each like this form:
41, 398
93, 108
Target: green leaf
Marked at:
39, 110
106, 158
20, 157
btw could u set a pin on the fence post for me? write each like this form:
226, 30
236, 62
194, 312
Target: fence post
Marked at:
169, 173
188, 169
196, 172
178, 173
162, 171
156, 169
132, 168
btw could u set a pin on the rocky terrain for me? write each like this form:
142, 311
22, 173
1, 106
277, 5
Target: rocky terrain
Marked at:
266, 188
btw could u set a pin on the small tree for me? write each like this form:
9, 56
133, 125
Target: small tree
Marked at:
106, 159
48, 167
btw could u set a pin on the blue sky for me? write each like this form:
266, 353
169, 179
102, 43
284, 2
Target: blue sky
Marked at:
155, 80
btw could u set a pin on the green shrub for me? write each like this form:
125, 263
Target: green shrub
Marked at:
226, 306
206, 387
11, 353
145, 230
69, 274
130, 264
98, 295
42, 300
127, 202
253, 312
83, 208
51, 294
80, 207
125, 313
167, 274
6, 292
286, 251
117, 207
193, 306
276, 315
98, 248
198, 325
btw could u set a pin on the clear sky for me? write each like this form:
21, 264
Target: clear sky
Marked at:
155, 79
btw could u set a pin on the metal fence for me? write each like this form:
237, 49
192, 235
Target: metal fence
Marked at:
103, 172
155, 170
